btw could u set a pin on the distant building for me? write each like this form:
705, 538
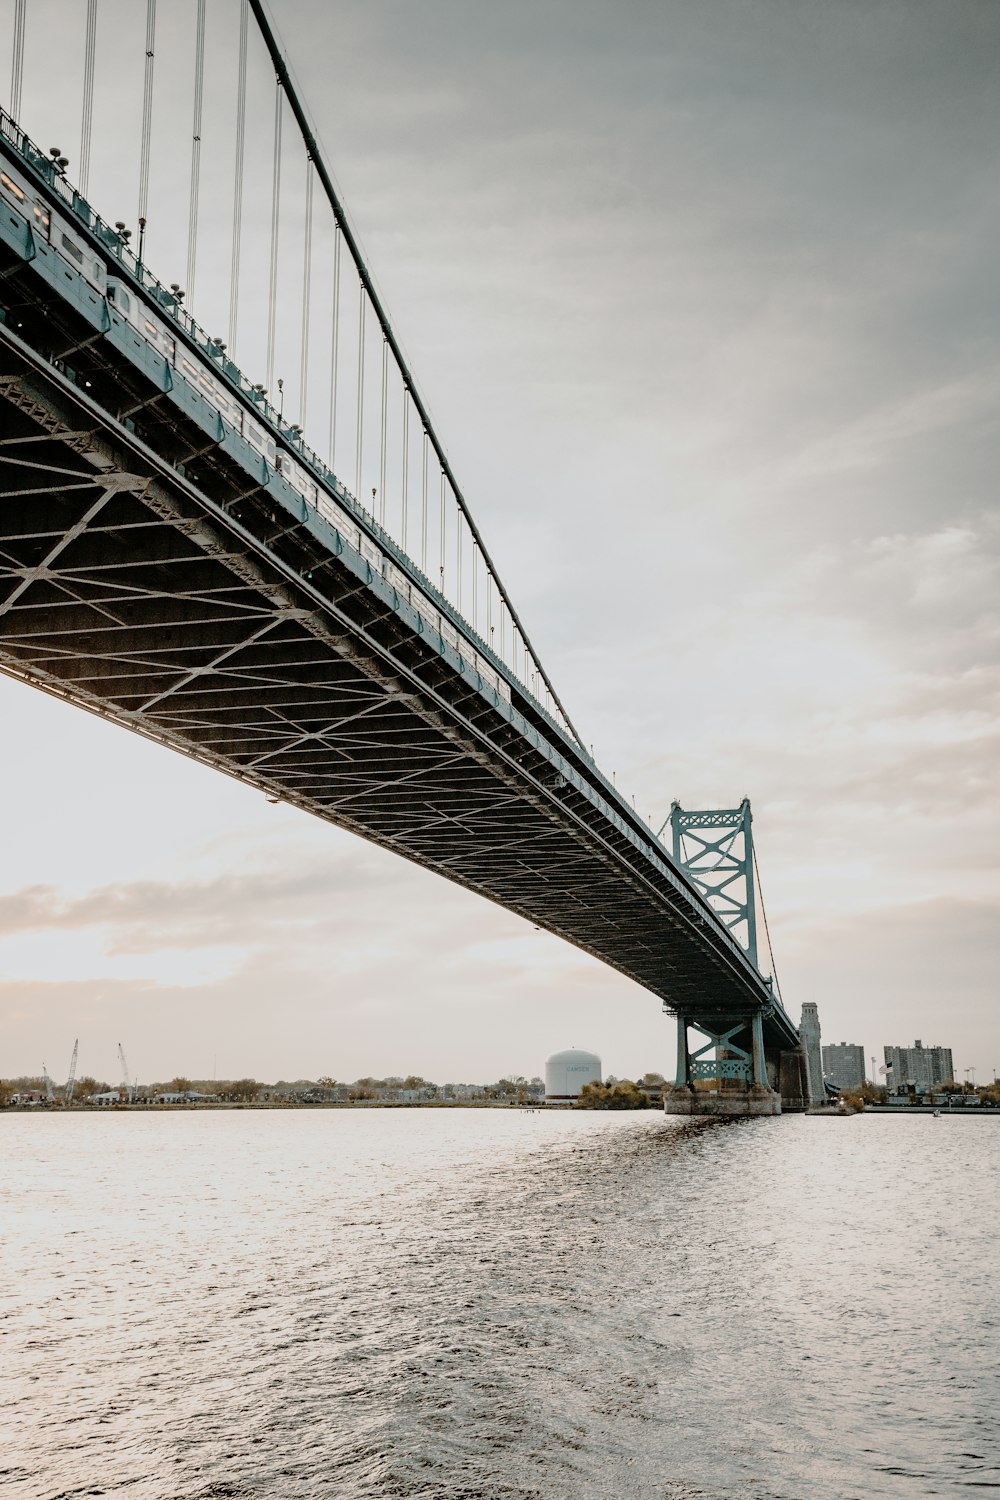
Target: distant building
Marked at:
185, 1096
567, 1072
844, 1064
913, 1070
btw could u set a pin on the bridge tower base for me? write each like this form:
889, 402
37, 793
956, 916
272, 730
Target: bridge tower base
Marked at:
734, 1081
726, 1103
793, 1080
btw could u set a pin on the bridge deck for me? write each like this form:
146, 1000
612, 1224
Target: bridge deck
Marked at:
150, 572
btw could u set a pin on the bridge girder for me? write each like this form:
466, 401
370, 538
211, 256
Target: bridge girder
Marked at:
145, 576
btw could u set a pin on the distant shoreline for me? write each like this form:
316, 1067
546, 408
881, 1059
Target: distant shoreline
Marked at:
275, 1104
925, 1112
908, 1112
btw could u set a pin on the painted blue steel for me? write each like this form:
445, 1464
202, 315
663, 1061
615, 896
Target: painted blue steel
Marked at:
729, 1067
714, 867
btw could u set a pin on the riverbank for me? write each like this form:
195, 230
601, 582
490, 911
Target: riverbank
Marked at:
922, 1112
203, 1105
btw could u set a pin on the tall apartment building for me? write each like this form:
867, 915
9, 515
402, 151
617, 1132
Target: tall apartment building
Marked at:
844, 1064
918, 1067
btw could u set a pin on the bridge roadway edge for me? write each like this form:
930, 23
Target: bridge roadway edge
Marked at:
520, 776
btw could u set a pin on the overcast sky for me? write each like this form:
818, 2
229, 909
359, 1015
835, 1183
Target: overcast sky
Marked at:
703, 298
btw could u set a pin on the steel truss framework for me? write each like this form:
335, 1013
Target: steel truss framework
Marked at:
714, 846
145, 575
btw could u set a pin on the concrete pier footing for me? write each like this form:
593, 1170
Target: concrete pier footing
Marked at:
724, 1103
793, 1081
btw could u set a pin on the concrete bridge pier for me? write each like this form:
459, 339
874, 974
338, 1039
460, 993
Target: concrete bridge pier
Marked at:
800, 1071
734, 1082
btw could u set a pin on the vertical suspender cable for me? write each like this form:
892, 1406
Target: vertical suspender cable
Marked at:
270, 40
335, 349
241, 130
475, 595
361, 385
17, 59
306, 293
381, 467
458, 561
147, 113
199, 96
87, 118
406, 464
272, 289
767, 933
423, 516
442, 554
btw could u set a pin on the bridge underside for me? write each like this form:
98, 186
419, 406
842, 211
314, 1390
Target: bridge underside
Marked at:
145, 577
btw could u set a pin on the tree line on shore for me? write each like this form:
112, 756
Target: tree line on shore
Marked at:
614, 1093
413, 1088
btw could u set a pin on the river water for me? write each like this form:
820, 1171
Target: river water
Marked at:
487, 1305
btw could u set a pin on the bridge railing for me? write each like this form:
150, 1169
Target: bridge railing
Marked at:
171, 308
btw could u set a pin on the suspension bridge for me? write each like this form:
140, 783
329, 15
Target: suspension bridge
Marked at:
179, 557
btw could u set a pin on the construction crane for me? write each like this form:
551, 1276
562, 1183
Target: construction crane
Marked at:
48, 1085
71, 1080
129, 1085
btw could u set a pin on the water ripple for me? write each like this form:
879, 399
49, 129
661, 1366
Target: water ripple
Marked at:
484, 1305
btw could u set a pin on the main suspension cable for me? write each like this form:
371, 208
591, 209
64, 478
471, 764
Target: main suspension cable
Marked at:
272, 294
87, 118
17, 59
199, 95
147, 116
241, 131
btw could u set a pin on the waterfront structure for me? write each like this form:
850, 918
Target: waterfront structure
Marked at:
844, 1064
809, 1031
567, 1072
185, 1096
736, 1066
917, 1068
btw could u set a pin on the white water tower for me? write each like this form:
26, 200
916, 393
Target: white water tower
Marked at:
567, 1072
